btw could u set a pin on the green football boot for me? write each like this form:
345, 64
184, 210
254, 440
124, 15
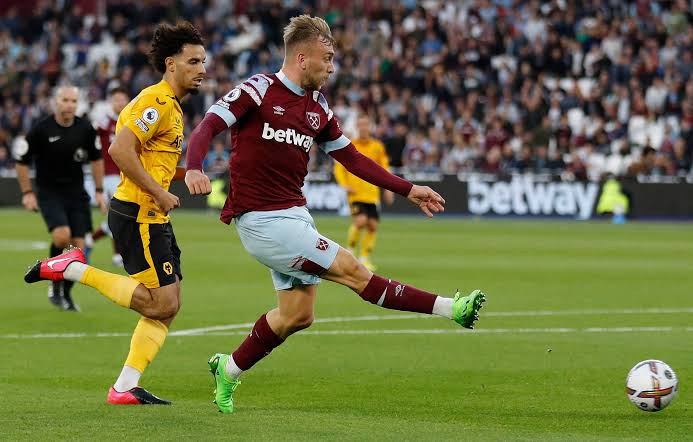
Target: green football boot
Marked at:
465, 309
225, 386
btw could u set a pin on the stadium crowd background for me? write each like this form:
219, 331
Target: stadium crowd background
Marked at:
577, 88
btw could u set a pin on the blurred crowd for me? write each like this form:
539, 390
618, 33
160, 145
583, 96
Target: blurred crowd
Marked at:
582, 89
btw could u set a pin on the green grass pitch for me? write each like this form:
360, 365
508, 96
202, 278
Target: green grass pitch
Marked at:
571, 308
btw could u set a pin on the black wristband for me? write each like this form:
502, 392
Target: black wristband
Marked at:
27, 192
99, 189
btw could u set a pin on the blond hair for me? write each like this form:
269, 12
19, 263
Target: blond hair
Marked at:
305, 28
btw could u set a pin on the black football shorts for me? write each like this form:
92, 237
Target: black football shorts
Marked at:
150, 251
65, 208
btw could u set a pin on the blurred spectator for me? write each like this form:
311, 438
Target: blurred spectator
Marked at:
5, 158
217, 161
566, 86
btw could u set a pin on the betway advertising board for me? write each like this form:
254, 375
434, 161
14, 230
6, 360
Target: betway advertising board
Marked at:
479, 195
519, 196
523, 196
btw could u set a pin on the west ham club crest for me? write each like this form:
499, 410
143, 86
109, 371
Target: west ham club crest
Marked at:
313, 119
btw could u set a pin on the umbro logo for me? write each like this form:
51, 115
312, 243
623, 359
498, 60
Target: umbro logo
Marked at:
278, 110
53, 139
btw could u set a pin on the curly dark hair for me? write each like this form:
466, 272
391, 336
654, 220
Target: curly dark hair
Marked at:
168, 40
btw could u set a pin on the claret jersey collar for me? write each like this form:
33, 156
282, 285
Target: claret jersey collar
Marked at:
296, 89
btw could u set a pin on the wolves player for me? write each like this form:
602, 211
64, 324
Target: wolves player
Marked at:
364, 197
274, 120
147, 146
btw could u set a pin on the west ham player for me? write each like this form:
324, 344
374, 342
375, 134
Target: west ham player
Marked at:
147, 147
274, 121
105, 131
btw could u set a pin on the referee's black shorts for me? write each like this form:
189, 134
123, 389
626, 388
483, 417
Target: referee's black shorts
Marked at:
369, 209
65, 207
150, 252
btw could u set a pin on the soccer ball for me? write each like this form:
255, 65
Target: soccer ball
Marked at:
651, 385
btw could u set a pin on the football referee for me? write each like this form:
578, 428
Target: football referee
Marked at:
58, 145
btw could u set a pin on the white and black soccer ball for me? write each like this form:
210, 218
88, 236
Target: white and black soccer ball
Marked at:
651, 385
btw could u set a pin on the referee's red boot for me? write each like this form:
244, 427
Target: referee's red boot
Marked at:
53, 268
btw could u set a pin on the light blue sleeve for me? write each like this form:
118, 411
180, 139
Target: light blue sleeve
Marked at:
225, 114
339, 143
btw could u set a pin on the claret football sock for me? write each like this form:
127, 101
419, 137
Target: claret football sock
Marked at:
258, 344
397, 296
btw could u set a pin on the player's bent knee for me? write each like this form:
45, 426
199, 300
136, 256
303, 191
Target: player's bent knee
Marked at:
164, 303
168, 307
301, 322
162, 311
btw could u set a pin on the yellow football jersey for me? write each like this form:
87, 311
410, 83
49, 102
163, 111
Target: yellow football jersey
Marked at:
156, 118
364, 192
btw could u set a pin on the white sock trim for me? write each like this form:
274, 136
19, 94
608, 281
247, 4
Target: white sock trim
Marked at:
106, 229
74, 271
129, 378
232, 369
443, 307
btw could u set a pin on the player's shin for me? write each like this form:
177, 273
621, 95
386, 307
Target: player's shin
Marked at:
56, 292
117, 288
147, 340
397, 296
258, 344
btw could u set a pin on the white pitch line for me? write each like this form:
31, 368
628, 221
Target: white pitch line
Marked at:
217, 329
15, 245
626, 311
446, 331
528, 314
433, 331
63, 335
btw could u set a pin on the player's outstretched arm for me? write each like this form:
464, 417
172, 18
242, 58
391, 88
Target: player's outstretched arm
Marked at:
368, 170
427, 199
124, 152
211, 125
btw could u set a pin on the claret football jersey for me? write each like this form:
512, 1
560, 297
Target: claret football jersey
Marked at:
274, 123
105, 130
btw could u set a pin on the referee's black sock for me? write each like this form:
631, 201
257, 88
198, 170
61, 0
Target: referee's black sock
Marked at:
55, 250
57, 285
